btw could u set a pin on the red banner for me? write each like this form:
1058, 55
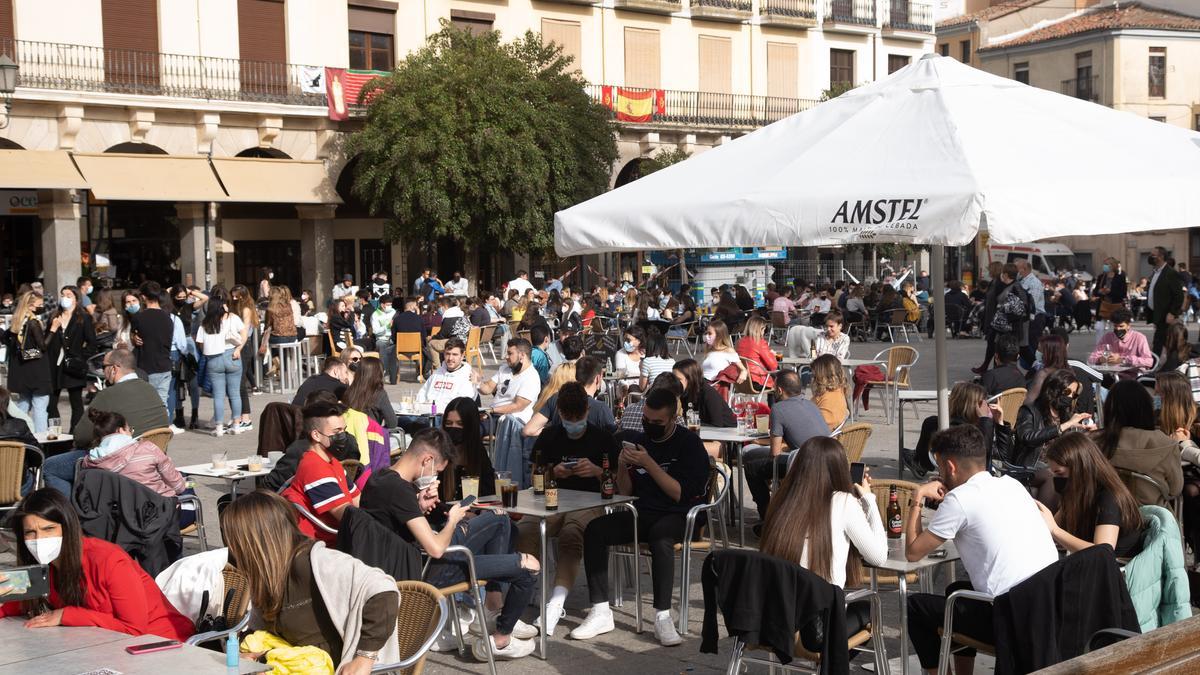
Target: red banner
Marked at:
342, 88
632, 105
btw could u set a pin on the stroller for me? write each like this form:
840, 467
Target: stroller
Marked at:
973, 324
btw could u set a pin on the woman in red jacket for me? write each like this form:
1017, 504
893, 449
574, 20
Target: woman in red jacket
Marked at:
755, 348
92, 582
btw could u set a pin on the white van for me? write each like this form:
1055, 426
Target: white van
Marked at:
1048, 259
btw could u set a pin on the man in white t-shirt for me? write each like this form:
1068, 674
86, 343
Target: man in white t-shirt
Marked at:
521, 283
452, 379
516, 385
997, 528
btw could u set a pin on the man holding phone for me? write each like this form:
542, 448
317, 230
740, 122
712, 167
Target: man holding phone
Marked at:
573, 449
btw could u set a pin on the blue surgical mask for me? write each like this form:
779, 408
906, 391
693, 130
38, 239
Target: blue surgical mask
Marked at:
628, 346
1107, 268
1038, 356
110, 444
1157, 402
66, 303
133, 309
575, 429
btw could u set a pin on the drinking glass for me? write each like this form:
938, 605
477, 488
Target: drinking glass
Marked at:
218, 461
762, 423
503, 478
254, 463
53, 428
470, 486
508, 494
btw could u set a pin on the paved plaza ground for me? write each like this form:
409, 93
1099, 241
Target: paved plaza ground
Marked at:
604, 653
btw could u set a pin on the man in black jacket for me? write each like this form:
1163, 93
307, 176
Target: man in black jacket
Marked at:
152, 333
334, 377
1165, 296
1007, 374
409, 321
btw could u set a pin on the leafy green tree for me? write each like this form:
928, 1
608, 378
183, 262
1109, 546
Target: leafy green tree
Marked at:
662, 160
481, 141
835, 90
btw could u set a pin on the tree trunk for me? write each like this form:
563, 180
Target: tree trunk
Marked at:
471, 269
683, 271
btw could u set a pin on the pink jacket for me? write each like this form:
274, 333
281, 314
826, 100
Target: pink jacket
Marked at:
143, 462
1134, 349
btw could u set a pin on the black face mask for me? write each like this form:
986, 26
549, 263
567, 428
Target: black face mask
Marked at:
1060, 484
1120, 333
1153, 260
455, 434
338, 445
353, 366
654, 431
1064, 406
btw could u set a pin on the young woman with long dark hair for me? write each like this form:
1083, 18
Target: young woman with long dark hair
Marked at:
1050, 415
220, 339
92, 582
1132, 440
1095, 507
366, 393
72, 339
461, 423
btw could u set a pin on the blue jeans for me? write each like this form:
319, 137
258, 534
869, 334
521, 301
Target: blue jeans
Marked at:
226, 374
35, 406
59, 471
387, 357
162, 384
492, 539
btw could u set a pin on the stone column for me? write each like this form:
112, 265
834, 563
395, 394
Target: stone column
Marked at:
316, 250
61, 247
193, 247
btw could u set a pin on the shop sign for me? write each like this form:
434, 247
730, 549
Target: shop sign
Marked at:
18, 203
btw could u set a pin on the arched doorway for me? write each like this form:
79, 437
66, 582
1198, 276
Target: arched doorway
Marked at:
140, 239
131, 148
264, 153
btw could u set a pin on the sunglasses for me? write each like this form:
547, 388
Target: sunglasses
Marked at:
355, 360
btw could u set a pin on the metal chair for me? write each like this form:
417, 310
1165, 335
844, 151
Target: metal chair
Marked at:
160, 436
779, 327
197, 528
685, 339
897, 362
950, 638
854, 438
236, 612
718, 495
310, 517
409, 348
1173, 503
419, 621
487, 337
473, 585
12, 471
881, 488
748, 386
291, 356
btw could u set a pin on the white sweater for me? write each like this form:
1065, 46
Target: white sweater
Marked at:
444, 386
856, 521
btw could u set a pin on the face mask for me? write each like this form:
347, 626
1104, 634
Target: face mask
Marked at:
45, 550
1107, 268
110, 444
1065, 405
656, 432
709, 339
1060, 484
424, 481
354, 366
66, 303
1120, 333
133, 309
1153, 260
271, 275
575, 429
1037, 356
304, 297
1157, 402
455, 434
337, 443
628, 347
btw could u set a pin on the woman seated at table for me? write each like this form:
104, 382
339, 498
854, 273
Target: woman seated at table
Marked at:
366, 393
821, 521
889, 302
828, 388
142, 461
92, 582
1131, 440
683, 313
721, 353
1052, 356
729, 312
282, 567
1095, 507
461, 423
704, 399
1177, 419
1122, 346
655, 359
628, 361
833, 340
1177, 351
968, 405
1048, 417
760, 361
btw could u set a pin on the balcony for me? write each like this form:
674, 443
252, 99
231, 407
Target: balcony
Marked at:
1086, 88
788, 13
722, 10
904, 16
46, 65
650, 6
709, 110
853, 16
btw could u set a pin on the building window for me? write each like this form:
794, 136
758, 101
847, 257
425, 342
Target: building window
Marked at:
1158, 118
897, 61
716, 64
568, 36
944, 49
1021, 72
475, 23
1157, 74
964, 51
1083, 75
643, 58
783, 70
343, 258
370, 51
841, 68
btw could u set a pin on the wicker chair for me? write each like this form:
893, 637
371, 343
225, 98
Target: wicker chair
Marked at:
13, 455
161, 437
420, 620
854, 439
1010, 401
898, 361
236, 611
905, 490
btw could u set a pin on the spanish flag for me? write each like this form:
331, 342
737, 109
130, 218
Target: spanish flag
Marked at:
635, 105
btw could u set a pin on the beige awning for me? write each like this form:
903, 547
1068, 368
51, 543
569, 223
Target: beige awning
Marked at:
33, 169
161, 178
277, 181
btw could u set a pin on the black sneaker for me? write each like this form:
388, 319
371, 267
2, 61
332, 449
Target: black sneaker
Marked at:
911, 463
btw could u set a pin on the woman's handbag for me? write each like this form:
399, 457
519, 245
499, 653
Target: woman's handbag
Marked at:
28, 353
1107, 308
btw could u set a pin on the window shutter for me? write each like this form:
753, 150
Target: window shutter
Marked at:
262, 42
716, 64
372, 20
130, 30
567, 35
783, 70
643, 65
6, 27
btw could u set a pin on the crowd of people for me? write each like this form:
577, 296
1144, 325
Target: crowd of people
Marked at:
591, 394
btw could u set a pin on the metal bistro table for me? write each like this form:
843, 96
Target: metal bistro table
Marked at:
234, 472
569, 501
923, 568
60, 444
914, 396
67, 650
1115, 370
735, 441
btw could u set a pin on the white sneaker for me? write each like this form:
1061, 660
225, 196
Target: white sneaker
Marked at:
218, 430
597, 622
176, 430
523, 631
445, 642
553, 613
515, 649
664, 630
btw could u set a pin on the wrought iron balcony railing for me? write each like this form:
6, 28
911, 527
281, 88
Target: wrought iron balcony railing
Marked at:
851, 11
1086, 88
907, 15
713, 110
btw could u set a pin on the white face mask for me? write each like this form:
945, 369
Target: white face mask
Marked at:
424, 481
66, 303
45, 550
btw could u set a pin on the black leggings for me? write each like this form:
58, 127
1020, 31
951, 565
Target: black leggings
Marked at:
77, 409
247, 357
660, 530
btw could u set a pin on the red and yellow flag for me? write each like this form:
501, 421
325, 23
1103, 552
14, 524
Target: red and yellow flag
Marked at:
343, 86
634, 105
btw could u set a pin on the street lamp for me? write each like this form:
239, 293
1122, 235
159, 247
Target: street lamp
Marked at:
8, 85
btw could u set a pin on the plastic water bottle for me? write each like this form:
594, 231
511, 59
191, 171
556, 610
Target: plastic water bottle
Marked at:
231, 651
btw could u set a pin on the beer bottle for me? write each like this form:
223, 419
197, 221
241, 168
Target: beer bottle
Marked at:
551, 493
895, 524
539, 476
608, 483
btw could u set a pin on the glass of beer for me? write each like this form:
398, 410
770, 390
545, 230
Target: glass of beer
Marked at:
470, 486
762, 423
693, 421
508, 494
53, 429
254, 463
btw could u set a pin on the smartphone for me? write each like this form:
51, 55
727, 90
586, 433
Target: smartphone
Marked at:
857, 469
154, 647
23, 583
629, 446
467, 502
